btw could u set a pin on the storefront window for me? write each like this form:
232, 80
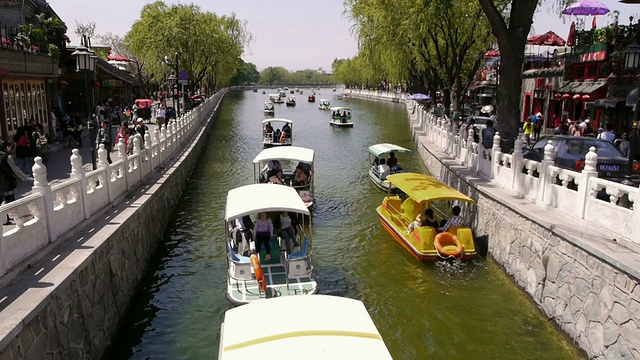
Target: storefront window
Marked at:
25, 102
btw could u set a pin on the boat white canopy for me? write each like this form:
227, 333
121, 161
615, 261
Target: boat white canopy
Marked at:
381, 149
277, 120
294, 153
274, 95
251, 199
335, 327
338, 108
268, 103
324, 100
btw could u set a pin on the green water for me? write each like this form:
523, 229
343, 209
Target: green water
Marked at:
422, 310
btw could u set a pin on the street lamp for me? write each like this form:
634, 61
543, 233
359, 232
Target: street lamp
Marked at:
632, 60
86, 62
175, 65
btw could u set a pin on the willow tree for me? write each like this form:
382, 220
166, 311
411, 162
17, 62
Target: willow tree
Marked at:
207, 45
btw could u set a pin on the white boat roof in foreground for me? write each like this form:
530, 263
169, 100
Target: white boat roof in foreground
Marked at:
339, 108
277, 120
323, 326
270, 95
251, 199
294, 153
381, 149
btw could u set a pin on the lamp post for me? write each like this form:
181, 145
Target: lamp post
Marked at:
632, 61
86, 62
175, 65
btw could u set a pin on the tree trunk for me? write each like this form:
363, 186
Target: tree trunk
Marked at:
509, 89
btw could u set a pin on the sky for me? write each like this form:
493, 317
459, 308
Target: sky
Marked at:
295, 34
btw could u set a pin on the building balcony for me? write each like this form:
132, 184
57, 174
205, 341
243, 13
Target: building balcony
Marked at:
26, 63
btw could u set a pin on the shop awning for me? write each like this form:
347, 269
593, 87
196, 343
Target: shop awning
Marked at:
611, 102
579, 87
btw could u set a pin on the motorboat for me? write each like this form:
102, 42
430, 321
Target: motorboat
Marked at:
340, 116
291, 91
291, 101
333, 89
324, 104
311, 98
300, 92
263, 92
282, 94
331, 327
277, 132
269, 108
340, 96
425, 242
276, 99
252, 273
380, 168
288, 159
255, 90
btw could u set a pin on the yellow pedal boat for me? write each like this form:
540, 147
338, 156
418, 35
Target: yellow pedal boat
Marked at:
423, 192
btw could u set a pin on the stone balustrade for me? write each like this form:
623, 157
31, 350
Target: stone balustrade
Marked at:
50, 211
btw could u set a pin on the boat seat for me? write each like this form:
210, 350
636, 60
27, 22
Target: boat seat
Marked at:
238, 258
300, 253
298, 264
427, 235
411, 209
465, 235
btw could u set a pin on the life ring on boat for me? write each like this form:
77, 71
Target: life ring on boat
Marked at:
282, 137
447, 245
257, 270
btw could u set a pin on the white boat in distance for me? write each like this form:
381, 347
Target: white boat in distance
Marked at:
340, 116
277, 132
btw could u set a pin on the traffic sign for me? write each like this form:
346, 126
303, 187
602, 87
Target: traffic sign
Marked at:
183, 82
183, 75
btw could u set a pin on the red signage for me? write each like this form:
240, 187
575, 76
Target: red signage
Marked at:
593, 56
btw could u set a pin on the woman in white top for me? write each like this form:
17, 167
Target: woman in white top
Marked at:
160, 114
262, 231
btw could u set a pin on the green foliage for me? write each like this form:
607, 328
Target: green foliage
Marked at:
43, 31
246, 74
208, 46
273, 76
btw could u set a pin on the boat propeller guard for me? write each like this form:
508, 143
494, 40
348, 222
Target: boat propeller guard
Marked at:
257, 270
448, 246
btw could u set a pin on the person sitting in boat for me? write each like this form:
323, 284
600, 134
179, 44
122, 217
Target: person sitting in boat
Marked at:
392, 161
277, 178
301, 179
276, 135
454, 221
286, 228
272, 168
262, 234
426, 218
376, 162
383, 169
286, 129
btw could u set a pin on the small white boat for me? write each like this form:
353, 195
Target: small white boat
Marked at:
291, 101
381, 167
324, 104
289, 158
277, 132
340, 116
258, 276
269, 108
276, 99
313, 327
282, 94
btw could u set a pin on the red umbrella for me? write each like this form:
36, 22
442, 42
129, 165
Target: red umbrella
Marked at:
492, 53
549, 38
118, 58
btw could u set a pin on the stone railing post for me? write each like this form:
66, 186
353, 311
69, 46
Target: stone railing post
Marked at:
589, 171
103, 163
470, 152
516, 166
41, 185
455, 143
495, 154
78, 173
168, 135
543, 171
137, 150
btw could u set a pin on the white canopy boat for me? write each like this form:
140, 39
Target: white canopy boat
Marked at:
288, 159
328, 327
340, 116
277, 132
291, 101
276, 99
262, 275
381, 167
324, 104
269, 108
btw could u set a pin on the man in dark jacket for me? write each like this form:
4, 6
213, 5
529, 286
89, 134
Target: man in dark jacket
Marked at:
487, 135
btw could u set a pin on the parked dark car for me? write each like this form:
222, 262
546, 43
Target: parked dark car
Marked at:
571, 151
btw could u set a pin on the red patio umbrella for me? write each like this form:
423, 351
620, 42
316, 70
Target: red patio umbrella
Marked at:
118, 58
492, 53
549, 39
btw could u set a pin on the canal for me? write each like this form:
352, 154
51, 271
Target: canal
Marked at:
422, 310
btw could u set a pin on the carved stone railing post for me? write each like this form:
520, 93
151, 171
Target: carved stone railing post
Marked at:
589, 171
544, 171
516, 166
41, 185
495, 152
78, 173
103, 163
470, 152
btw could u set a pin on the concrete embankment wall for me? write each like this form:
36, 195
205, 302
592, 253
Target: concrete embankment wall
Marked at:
595, 301
91, 279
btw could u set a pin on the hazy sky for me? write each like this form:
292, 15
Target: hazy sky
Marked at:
296, 34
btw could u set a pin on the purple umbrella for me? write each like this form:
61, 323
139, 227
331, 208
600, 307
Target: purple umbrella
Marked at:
586, 7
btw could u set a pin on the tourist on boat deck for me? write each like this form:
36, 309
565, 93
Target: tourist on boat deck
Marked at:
426, 218
272, 168
454, 221
287, 130
277, 178
268, 129
285, 227
300, 177
392, 161
344, 114
262, 234
383, 168
376, 161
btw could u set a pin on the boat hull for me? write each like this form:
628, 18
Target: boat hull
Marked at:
341, 124
381, 184
270, 144
408, 241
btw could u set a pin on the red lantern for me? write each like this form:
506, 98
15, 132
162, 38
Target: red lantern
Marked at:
566, 96
557, 96
577, 97
95, 84
586, 97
